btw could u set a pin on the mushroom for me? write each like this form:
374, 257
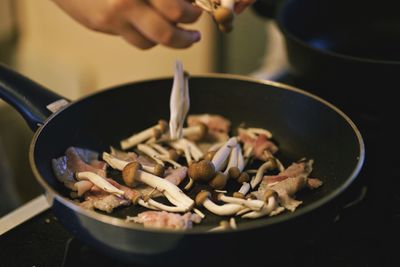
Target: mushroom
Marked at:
154, 131
271, 205
253, 204
219, 181
119, 164
179, 101
152, 204
270, 164
224, 15
99, 182
203, 199
150, 152
191, 151
167, 155
232, 161
132, 172
225, 225
205, 170
244, 189
195, 132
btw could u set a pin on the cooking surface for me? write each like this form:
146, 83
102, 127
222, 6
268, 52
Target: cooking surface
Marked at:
361, 234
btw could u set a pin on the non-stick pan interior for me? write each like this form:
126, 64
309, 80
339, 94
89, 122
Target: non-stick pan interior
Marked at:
302, 126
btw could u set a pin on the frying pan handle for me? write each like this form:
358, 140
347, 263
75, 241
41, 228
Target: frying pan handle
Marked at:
26, 96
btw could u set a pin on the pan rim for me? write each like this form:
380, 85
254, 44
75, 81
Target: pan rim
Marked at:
249, 225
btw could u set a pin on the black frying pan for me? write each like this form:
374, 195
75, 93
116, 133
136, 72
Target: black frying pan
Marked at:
303, 126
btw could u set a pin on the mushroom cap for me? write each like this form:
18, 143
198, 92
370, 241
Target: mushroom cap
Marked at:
223, 15
234, 172
219, 181
202, 196
163, 125
159, 170
129, 172
209, 155
238, 195
157, 133
243, 177
203, 170
228, 27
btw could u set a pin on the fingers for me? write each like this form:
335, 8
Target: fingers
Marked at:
129, 34
177, 11
158, 29
242, 5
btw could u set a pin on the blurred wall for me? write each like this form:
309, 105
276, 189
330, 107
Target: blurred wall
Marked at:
63, 55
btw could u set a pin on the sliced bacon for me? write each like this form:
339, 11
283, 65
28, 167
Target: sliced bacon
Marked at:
166, 220
258, 145
96, 198
288, 182
77, 160
129, 193
177, 175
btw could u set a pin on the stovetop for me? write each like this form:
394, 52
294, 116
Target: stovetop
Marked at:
364, 233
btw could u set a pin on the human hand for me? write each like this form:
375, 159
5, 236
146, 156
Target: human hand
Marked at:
241, 5
143, 24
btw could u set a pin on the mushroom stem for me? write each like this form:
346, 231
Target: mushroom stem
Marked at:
203, 199
173, 193
164, 207
223, 153
154, 131
179, 101
241, 162
119, 164
159, 148
189, 148
195, 132
253, 204
267, 209
223, 210
223, 225
99, 182
244, 189
270, 164
233, 159
150, 152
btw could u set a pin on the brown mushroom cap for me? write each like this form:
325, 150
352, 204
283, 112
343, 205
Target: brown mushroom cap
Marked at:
223, 15
209, 155
228, 27
157, 133
243, 177
129, 172
234, 172
159, 170
219, 181
163, 125
203, 170
202, 196
239, 195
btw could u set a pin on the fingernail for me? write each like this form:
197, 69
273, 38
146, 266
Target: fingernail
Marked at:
196, 36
